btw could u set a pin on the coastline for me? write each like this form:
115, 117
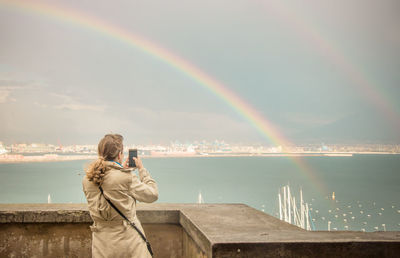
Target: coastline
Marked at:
19, 158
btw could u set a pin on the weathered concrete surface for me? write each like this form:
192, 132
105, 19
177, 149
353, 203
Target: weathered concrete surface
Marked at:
74, 239
45, 240
221, 229
206, 230
334, 250
190, 248
166, 239
37, 213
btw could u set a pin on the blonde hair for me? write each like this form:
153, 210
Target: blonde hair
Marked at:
108, 149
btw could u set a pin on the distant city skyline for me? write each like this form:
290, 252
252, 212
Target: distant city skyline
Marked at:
202, 143
323, 72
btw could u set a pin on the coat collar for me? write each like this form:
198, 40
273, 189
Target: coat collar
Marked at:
113, 165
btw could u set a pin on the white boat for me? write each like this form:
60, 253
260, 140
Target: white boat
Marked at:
200, 198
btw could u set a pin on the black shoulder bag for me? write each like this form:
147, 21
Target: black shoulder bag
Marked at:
130, 223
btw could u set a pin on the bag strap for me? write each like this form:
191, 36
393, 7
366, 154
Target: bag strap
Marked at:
130, 223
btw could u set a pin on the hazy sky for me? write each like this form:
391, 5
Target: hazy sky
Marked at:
298, 63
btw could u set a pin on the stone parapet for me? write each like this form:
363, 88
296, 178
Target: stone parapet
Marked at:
184, 230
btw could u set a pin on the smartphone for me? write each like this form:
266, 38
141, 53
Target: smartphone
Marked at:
132, 153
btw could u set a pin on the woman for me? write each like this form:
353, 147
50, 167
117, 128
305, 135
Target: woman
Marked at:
112, 236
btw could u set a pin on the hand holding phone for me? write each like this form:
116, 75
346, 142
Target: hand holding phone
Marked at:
132, 154
138, 162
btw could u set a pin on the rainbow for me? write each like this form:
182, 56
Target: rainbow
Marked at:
364, 85
245, 110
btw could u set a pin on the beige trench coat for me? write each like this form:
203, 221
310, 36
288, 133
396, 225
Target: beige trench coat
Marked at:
112, 236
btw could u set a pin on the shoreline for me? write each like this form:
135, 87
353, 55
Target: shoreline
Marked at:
18, 158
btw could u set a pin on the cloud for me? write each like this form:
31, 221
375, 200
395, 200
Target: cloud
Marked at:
5, 94
310, 119
16, 84
81, 107
40, 104
72, 104
9, 86
160, 125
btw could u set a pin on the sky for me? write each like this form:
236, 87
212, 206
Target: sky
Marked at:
318, 71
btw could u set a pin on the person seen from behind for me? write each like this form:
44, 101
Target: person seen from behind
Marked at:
109, 177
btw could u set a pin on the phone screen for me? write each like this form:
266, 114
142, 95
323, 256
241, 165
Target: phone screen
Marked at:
132, 153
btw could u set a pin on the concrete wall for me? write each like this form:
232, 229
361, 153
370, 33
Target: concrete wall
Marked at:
45, 240
74, 240
184, 230
333, 250
190, 248
166, 239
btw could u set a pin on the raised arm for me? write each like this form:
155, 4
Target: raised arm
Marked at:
143, 188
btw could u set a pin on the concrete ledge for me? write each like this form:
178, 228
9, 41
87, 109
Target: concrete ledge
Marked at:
220, 230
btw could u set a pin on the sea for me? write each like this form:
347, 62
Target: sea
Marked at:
366, 187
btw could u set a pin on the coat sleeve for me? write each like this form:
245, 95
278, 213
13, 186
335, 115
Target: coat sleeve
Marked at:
144, 189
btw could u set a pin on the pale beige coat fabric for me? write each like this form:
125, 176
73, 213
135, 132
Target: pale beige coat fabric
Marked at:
111, 235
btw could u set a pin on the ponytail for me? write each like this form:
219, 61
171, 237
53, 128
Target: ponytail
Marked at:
95, 171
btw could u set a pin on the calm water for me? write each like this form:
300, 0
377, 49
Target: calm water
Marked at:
363, 184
